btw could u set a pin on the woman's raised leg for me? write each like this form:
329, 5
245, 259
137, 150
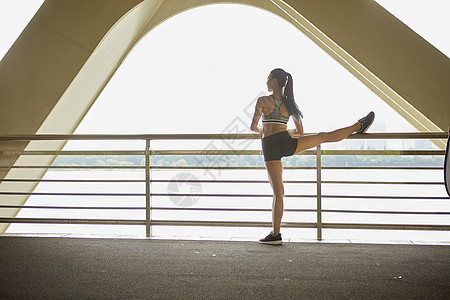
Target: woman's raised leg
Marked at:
274, 170
310, 141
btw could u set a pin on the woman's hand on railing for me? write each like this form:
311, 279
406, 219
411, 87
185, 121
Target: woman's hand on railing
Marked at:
294, 132
259, 130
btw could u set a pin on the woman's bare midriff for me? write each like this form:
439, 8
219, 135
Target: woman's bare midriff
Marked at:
272, 128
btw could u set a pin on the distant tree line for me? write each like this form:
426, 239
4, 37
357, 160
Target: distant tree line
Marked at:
248, 160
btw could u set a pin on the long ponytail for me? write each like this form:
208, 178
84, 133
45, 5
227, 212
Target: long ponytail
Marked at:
290, 101
285, 80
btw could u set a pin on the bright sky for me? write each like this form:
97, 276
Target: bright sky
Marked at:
211, 63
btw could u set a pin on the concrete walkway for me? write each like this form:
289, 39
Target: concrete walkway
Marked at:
79, 268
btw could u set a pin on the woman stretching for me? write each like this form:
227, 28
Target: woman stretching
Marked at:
277, 141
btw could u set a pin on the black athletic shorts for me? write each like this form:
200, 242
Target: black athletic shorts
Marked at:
277, 145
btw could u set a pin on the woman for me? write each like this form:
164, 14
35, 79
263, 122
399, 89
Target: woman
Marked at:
277, 141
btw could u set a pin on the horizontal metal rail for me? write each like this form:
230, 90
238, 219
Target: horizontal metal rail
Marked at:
73, 207
202, 136
154, 208
78, 180
76, 167
224, 152
69, 153
73, 221
386, 212
221, 181
219, 168
226, 209
224, 195
227, 223
385, 197
74, 194
383, 152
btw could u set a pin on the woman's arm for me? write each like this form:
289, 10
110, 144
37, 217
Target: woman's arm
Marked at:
256, 116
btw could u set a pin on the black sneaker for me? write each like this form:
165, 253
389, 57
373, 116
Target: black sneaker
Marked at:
366, 122
272, 239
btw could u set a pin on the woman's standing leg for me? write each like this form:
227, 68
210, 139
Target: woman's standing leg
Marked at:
274, 170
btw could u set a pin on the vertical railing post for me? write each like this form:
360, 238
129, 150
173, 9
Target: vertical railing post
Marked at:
148, 202
319, 192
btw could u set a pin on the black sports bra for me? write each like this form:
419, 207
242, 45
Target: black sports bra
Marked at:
275, 116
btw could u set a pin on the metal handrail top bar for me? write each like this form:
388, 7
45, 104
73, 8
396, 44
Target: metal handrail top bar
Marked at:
207, 136
217, 168
223, 152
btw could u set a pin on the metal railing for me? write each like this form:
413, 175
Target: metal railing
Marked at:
148, 153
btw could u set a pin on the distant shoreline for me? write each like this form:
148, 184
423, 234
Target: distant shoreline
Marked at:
251, 160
